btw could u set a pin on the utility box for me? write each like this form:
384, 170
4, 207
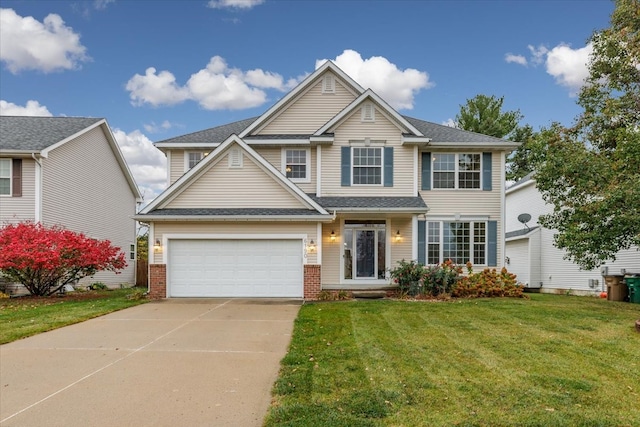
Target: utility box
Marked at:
616, 288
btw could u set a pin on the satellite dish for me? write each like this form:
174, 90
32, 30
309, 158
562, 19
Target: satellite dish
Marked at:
524, 218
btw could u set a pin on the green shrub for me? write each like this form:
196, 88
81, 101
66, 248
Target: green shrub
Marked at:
441, 279
98, 286
488, 283
408, 276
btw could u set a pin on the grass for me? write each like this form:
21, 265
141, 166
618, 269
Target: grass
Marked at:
26, 316
547, 361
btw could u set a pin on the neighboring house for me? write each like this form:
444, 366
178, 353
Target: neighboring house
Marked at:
327, 190
69, 171
531, 255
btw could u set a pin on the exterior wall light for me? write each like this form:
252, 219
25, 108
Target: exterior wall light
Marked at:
398, 236
311, 247
332, 237
157, 247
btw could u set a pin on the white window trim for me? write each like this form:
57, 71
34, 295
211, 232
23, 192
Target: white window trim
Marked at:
307, 179
472, 242
10, 177
186, 158
367, 144
456, 172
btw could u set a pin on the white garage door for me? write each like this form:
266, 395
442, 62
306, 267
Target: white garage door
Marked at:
235, 268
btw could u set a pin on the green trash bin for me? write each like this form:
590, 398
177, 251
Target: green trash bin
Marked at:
633, 284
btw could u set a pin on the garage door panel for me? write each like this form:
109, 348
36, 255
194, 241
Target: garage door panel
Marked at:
235, 268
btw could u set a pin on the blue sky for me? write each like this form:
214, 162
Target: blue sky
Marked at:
157, 69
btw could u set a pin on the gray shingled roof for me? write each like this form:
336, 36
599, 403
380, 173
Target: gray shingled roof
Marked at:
528, 177
442, 133
214, 135
522, 232
437, 133
370, 202
239, 212
37, 133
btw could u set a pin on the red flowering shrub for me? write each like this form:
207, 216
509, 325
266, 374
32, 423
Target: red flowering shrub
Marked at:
45, 259
488, 283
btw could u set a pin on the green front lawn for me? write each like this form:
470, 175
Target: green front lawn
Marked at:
26, 316
548, 361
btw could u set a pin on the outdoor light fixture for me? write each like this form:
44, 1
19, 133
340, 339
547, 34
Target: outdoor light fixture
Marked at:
158, 246
333, 236
311, 247
398, 236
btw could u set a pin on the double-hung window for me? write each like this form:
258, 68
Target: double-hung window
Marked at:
367, 165
193, 157
458, 241
296, 164
462, 171
5, 177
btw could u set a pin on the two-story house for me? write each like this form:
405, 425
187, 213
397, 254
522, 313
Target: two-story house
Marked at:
70, 172
328, 189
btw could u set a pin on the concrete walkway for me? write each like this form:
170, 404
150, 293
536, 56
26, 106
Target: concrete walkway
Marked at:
172, 363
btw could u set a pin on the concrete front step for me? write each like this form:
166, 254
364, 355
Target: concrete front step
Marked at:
369, 294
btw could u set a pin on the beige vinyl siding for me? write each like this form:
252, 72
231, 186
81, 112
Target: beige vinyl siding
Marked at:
274, 156
17, 209
353, 129
254, 228
403, 249
85, 190
309, 111
176, 165
331, 254
223, 187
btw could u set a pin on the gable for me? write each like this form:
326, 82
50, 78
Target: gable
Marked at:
310, 109
246, 184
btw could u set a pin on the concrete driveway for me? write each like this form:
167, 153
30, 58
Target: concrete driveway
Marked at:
172, 363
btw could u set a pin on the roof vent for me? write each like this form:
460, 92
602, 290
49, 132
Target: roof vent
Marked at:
235, 158
329, 84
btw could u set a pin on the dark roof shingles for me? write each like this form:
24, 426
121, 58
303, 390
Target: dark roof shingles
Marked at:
28, 133
215, 135
239, 212
370, 202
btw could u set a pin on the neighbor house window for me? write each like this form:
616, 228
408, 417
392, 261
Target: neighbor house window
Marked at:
456, 170
367, 166
132, 252
296, 164
5, 177
458, 241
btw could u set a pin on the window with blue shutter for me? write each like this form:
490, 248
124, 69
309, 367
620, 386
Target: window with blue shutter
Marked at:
426, 171
388, 166
345, 160
492, 240
422, 246
486, 171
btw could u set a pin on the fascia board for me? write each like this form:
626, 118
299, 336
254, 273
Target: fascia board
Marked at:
515, 188
186, 146
45, 153
233, 218
507, 146
121, 160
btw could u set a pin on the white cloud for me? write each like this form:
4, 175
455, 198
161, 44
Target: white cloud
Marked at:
234, 4
516, 59
28, 44
32, 108
148, 165
215, 87
451, 123
397, 87
538, 54
155, 128
102, 4
569, 66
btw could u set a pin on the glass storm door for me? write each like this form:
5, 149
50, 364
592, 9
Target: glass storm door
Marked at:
364, 251
365, 244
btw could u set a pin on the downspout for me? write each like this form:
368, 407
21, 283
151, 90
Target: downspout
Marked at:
38, 190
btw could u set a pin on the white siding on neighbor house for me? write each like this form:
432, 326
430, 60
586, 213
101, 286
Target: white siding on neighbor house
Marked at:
353, 129
18, 209
549, 266
518, 253
309, 111
224, 187
274, 156
246, 228
85, 190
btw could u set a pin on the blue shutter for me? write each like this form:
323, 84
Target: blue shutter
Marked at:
492, 239
346, 167
426, 171
422, 242
388, 166
486, 171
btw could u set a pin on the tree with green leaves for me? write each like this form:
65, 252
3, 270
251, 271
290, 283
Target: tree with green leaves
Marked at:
483, 114
591, 172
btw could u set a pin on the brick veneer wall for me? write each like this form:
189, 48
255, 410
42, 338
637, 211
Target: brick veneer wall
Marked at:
157, 281
312, 286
